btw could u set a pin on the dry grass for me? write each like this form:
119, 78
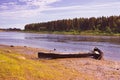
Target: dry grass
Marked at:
15, 65
21, 63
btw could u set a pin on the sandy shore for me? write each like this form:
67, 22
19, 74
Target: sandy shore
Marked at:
97, 69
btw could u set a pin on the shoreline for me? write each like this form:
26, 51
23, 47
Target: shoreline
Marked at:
84, 33
36, 50
65, 33
91, 69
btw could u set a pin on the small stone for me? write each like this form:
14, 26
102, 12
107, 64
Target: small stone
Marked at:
8, 51
117, 69
25, 46
11, 46
21, 57
54, 49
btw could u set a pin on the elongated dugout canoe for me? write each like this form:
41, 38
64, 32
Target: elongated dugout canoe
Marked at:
55, 56
96, 54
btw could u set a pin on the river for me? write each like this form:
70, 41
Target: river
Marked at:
110, 45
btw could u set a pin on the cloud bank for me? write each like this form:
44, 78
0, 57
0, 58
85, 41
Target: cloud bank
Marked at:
29, 11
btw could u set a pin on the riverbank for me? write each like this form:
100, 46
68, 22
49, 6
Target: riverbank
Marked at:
83, 33
1, 30
88, 33
22, 63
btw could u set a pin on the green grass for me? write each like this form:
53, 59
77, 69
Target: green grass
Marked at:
14, 67
73, 32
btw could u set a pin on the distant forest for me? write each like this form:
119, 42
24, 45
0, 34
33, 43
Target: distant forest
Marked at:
104, 24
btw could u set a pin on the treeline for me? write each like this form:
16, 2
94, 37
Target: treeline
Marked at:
103, 24
11, 29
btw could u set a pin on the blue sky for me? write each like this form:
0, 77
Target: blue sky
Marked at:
18, 13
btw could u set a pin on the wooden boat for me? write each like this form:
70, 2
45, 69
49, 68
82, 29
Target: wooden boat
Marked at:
96, 54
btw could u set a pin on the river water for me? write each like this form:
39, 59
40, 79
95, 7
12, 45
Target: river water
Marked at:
110, 45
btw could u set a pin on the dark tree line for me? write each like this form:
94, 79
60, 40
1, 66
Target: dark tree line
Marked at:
105, 24
11, 29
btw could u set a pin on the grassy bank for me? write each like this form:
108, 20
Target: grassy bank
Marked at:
89, 32
21, 63
14, 65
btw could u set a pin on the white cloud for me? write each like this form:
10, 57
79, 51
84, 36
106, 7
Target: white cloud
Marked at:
13, 15
24, 11
17, 11
13, 26
43, 9
38, 3
89, 7
13, 12
103, 9
3, 7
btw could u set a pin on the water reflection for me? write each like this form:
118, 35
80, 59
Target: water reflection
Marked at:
65, 38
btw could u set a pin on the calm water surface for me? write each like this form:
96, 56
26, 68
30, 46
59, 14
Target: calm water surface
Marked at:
64, 43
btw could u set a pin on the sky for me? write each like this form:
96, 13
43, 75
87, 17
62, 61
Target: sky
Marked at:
18, 13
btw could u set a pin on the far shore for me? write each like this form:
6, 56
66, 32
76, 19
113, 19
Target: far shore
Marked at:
84, 33
89, 68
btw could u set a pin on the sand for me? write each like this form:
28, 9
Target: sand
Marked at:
98, 69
